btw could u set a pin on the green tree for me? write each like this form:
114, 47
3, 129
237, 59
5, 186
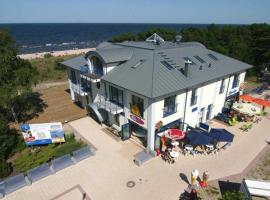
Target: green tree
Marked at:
17, 76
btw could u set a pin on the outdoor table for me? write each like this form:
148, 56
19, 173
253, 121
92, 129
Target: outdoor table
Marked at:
174, 154
188, 147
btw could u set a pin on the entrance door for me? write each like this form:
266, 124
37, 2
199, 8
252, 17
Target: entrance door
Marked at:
125, 132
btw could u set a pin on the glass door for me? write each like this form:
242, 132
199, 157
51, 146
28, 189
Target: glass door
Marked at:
125, 132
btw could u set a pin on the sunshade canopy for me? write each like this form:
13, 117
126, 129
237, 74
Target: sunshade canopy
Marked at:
197, 137
221, 135
247, 98
262, 102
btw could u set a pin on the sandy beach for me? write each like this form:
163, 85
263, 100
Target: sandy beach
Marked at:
56, 53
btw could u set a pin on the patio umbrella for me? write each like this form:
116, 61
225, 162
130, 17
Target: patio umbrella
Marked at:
247, 98
199, 137
262, 102
221, 135
177, 134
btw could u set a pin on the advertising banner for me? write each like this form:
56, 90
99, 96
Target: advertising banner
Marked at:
47, 133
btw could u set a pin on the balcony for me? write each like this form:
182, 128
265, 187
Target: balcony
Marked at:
95, 74
107, 105
81, 90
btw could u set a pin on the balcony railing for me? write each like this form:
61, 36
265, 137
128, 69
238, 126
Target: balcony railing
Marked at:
94, 74
107, 105
83, 91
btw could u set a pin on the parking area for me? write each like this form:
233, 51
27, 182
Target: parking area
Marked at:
107, 175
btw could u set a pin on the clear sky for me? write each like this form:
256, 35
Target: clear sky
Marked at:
135, 11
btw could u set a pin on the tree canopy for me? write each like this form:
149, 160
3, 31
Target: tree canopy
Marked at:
248, 43
17, 77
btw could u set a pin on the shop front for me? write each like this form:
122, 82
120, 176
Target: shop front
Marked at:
161, 129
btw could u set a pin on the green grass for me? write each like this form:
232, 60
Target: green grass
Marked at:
48, 68
35, 156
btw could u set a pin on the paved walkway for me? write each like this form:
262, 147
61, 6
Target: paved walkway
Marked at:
104, 176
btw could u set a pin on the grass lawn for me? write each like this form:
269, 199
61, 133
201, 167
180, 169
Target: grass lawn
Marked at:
49, 70
34, 156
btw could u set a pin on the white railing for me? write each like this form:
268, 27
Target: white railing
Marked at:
107, 105
78, 89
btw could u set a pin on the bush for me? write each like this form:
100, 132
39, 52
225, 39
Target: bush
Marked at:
48, 55
35, 156
233, 196
5, 168
58, 65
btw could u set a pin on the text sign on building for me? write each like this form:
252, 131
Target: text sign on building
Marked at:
138, 120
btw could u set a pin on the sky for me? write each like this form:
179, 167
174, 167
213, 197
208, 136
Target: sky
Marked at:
135, 11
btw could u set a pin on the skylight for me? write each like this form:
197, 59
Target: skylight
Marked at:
137, 64
188, 59
167, 65
199, 59
212, 57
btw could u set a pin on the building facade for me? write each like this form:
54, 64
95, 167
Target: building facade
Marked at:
142, 88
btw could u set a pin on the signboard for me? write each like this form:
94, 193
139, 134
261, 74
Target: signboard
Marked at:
47, 133
138, 120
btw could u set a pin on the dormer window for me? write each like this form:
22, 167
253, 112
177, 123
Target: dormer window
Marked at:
97, 66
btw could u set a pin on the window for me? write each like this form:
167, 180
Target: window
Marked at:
116, 95
169, 106
193, 97
73, 76
209, 111
85, 85
199, 59
235, 81
213, 57
222, 86
137, 106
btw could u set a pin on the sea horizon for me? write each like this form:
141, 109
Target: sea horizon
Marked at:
47, 37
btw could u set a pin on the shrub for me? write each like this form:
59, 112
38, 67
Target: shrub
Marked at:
5, 168
48, 55
233, 196
58, 65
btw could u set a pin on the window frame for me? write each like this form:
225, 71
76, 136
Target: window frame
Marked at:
139, 102
222, 86
116, 96
170, 106
236, 81
194, 97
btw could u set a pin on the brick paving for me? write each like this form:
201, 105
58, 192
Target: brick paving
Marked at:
105, 175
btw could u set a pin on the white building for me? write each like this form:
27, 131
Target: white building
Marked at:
133, 86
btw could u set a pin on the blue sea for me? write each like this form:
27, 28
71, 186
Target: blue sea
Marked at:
51, 37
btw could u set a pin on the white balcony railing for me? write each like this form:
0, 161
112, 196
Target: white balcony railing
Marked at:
107, 105
79, 89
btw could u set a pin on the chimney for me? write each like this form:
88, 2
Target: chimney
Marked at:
187, 70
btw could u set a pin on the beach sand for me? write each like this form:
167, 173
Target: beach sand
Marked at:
55, 53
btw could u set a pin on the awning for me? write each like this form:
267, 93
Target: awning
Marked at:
261, 102
247, 98
221, 135
93, 109
197, 137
